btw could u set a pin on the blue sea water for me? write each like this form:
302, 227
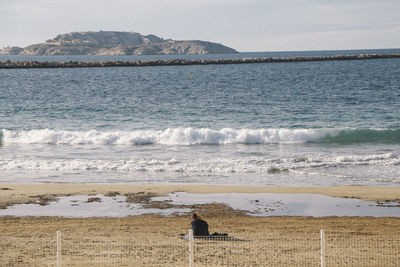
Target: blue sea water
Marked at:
303, 123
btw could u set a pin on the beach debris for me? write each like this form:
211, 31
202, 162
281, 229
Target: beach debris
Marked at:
139, 197
43, 200
93, 199
112, 194
388, 203
145, 199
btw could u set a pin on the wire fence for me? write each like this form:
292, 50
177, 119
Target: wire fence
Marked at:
143, 250
260, 251
362, 250
239, 249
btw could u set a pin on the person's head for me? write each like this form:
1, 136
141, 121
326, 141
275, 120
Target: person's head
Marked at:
195, 216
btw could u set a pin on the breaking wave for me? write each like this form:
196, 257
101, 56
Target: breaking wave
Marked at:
199, 166
203, 136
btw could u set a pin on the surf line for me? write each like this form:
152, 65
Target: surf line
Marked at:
182, 62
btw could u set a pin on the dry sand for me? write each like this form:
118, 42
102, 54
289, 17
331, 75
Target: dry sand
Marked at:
151, 240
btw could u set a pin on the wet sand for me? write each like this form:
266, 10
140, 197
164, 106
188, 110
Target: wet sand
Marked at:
41, 193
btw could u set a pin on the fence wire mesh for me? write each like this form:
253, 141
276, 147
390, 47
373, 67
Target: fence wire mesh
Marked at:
362, 250
256, 251
240, 249
146, 250
21, 250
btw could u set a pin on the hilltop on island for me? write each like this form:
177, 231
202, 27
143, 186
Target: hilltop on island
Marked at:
116, 43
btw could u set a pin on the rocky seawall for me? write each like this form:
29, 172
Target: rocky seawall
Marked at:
177, 62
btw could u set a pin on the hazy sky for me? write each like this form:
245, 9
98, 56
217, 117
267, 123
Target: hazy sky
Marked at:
246, 25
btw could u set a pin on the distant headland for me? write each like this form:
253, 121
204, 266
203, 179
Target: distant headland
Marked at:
116, 43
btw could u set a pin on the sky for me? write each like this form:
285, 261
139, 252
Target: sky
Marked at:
245, 25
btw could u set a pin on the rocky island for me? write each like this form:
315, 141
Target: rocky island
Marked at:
116, 43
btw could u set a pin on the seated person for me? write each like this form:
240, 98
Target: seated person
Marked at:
199, 226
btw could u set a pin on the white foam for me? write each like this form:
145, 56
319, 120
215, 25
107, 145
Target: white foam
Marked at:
170, 136
366, 158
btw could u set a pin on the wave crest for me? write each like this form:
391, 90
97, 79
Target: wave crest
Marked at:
170, 136
203, 136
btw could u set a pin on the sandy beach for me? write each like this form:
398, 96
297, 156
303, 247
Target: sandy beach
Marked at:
90, 240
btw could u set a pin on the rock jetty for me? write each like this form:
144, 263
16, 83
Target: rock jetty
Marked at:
179, 62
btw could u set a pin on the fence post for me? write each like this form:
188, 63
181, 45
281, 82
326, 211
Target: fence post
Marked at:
322, 248
58, 248
191, 240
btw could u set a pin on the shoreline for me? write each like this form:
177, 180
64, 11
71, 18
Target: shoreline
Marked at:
11, 194
182, 62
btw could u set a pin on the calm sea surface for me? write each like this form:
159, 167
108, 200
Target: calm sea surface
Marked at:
311, 123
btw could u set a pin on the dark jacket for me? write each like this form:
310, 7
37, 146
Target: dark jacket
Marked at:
200, 227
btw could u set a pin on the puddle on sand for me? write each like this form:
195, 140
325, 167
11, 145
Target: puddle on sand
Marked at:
288, 204
87, 206
254, 205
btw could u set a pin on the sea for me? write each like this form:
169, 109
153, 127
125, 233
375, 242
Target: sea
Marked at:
325, 123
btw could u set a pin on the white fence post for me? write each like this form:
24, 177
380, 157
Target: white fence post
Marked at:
322, 248
191, 240
58, 248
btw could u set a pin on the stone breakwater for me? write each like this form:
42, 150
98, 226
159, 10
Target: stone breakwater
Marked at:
178, 62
